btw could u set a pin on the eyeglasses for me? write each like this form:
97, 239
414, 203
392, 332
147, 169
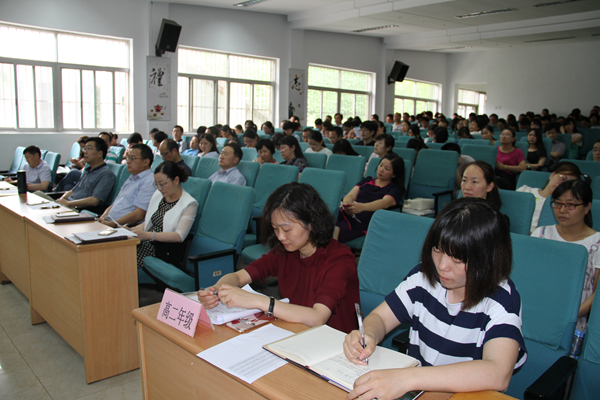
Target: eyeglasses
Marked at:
132, 158
506, 135
161, 185
88, 148
568, 206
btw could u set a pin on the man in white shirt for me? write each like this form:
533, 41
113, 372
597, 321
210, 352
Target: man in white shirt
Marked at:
178, 137
228, 160
37, 171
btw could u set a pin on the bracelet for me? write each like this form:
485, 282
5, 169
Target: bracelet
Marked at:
269, 312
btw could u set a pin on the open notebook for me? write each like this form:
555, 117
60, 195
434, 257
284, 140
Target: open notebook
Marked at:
319, 350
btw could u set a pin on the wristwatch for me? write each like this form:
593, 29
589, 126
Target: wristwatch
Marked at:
269, 312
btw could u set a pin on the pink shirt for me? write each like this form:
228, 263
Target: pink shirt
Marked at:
513, 158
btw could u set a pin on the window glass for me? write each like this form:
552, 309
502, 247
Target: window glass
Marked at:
8, 110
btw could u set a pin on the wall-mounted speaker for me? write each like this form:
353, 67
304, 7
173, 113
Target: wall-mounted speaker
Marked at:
167, 37
398, 72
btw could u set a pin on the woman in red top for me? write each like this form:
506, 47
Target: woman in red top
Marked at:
315, 271
510, 161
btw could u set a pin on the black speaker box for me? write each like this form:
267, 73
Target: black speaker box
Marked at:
398, 72
167, 37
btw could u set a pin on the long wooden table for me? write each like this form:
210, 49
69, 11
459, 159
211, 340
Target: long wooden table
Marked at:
171, 369
85, 292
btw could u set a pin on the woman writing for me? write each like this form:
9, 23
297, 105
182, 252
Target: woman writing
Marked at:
536, 153
509, 161
368, 196
315, 272
463, 310
571, 203
268, 128
208, 146
292, 153
171, 213
265, 149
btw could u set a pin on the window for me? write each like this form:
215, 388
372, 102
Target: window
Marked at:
470, 101
88, 75
332, 90
413, 97
219, 88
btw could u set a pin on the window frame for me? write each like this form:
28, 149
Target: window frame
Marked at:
475, 106
416, 99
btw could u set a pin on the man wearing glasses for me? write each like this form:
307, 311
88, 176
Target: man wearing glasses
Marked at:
131, 203
97, 180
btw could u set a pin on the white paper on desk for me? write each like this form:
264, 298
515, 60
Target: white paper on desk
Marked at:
244, 357
9, 192
94, 235
221, 314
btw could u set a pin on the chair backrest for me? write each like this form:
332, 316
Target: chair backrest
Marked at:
116, 169
591, 168
589, 137
566, 139
198, 188
406, 154
74, 153
53, 160
156, 162
328, 183
519, 207
535, 179
374, 163
18, 162
115, 154
250, 153
364, 151
206, 167
435, 146
191, 161
474, 142
270, 177
549, 277
353, 166
278, 157
250, 171
596, 188
304, 146
124, 142
524, 146
392, 248
484, 153
435, 170
316, 160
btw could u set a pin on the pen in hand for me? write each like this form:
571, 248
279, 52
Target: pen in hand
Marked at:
359, 316
214, 292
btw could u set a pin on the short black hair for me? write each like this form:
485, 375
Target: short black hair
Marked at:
290, 141
389, 140
172, 145
290, 125
338, 131
135, 138
265, 143
441, 135
145, 152
237, 150
201, 129
316, 136
251, 134
581, 191
100, 145
344, 146
473, 231
33, 150
301, 202
160, 136
371, 126
277, 138
451, 146
178, 127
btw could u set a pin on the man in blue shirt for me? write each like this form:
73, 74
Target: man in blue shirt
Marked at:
228, 161
97, 181
37, 171
132, 201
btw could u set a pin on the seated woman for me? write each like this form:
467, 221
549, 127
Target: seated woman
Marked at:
315, 272
596, 151
368, 196
478, 180
384, 144
463, 310
268, 128
343, 147
208, 146
487, 133
171, 213
571, 203
570, 127
566, 171
317, 145
509, 161
227, 133
265, 149
292, 153
289, 129
536, 153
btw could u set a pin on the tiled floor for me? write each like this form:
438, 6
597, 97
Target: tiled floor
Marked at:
36, 363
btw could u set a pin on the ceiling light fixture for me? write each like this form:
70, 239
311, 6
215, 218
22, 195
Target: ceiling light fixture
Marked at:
549, 40
484, 13
248, 3
555, 3
376, 28
453, 48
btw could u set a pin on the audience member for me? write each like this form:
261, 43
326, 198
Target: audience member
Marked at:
208, 146
268, 128
509, 161
478, 180
226, 133
338, 119
319, 124
305, 133
368, 130
315, 141
201, 129
558, 148
440, 135
397, 127
158, 138
348, 128
389, 119
536, 152
194, 146
276, 139
463, 163
133, 139
384, 144
37, 171
266, 150
289, 129
596, 151
177, 134
343, 147
335, 134
230, 157
292, 153
250, 138
169, 151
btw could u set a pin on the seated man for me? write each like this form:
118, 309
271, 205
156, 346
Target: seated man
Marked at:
194, 146
178, 137
132, 201
169, 151
97, 180
157, 139
558, 148
37, 171
335, 134
228, 161
368, 130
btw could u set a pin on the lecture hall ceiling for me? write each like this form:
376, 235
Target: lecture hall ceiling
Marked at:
432, 25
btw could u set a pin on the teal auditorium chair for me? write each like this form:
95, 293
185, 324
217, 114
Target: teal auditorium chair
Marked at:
115, 154
304, 146
534, 179
549, 277
119, 170
519, 207
434, 176
206, 167
353, 166
566, 139
18, 162
483, 153
270, 177
53, 160
250, 153
596, 188
406, 154
156, 162
591, 168
316, 160
435, 146
473, 142
74, 153
586, 384
364, 151
191, 161
217, 243
392, 248
328, 183
250, 171
590, 136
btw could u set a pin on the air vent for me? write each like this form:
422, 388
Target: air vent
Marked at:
549, 40
248, 3
375, 28
555, 3
484, 13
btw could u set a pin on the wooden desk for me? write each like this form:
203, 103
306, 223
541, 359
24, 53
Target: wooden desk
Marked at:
171, 369
85, 292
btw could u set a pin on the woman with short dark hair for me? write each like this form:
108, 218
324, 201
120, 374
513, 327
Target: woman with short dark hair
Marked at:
292, 153
315, 271
265, 149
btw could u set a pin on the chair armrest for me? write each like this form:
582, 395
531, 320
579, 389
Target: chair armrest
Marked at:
209, 256
401, 341
439, 204
553, 380
257, 220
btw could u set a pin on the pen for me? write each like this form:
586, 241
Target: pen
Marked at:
49, 207
214, 292
359, 316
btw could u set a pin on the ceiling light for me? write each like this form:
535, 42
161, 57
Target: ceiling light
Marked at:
453, 48
555, 3
376, 28
484, 13
549, 40
248, 3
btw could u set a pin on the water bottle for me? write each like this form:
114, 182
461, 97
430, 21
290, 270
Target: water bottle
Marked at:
576, 344
21, 182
